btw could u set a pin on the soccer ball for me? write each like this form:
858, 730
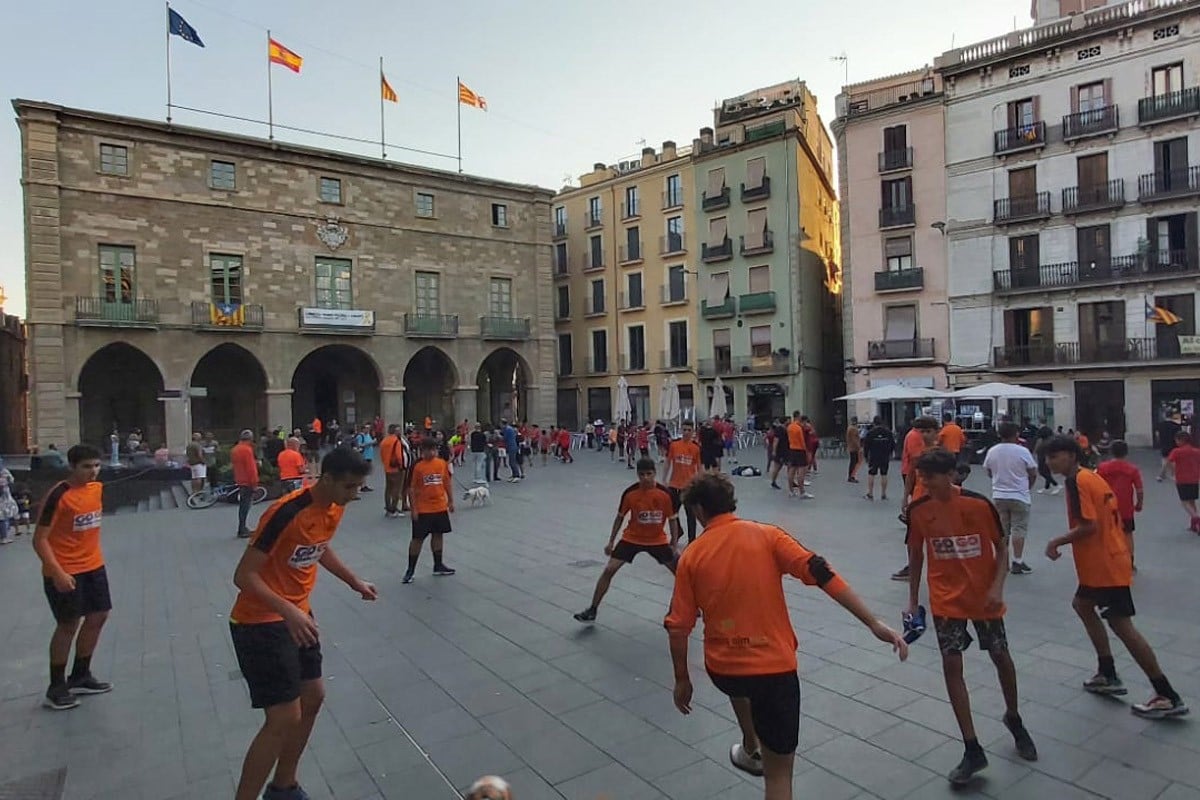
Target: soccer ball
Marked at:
490, 787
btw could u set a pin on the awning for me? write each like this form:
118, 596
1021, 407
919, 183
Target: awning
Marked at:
756, 170
756, 227
718, 232
718, 289
901, 324
716, 182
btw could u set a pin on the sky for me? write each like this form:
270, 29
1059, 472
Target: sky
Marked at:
567, 83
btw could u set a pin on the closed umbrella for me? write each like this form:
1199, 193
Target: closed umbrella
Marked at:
718, 407
624, 408
676, 406
664, 400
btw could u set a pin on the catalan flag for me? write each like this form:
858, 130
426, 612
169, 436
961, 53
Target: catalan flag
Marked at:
278, 54
386, 90
469, 98
1160, 315
227, 315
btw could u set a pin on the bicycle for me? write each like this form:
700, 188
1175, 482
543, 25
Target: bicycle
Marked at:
210, 495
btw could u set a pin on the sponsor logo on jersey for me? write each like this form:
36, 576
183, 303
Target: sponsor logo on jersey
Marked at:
432, 479
86, 521
957, 547
684, 460
650, 517
306, 555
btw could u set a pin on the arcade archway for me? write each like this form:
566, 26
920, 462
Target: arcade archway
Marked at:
336, 381
429, 383
228, 392
119, 389
503, 382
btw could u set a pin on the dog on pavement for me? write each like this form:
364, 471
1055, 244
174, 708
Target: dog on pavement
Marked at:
478, 495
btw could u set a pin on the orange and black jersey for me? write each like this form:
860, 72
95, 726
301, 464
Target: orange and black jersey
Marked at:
72, 513
649, 511
1102, 557
963, 541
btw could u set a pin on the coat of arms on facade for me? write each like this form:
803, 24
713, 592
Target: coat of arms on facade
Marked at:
332, 233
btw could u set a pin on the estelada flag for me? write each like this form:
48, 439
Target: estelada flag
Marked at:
469, 98
278, 54
386, 89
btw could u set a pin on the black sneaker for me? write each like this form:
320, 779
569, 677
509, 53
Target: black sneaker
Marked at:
901, 574
408, 577
273, 792
243, 534
88, 685
1026, 749
1020, 568
59, 698
587, 615
775, 485
442, 570
971, 763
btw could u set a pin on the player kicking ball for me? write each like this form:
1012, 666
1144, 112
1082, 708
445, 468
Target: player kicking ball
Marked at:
968, 562
649, 506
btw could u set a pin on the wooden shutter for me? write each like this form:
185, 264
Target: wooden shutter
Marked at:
1022, 182
1074, 99
1189, 240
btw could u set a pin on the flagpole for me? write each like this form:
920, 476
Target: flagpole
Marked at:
458, 103
168, 62
270, 100
382, 134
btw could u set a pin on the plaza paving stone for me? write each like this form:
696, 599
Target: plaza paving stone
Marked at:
447, 679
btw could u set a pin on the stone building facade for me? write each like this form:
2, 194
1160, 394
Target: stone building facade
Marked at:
181, 279
14, 384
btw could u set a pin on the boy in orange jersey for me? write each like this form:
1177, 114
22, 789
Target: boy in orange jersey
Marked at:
921, 437
650, 507
732, 575
274, 633
968, 561
67, 540
1125, 479
797, 456
431, 503
683, 464
1105, 570
952, 438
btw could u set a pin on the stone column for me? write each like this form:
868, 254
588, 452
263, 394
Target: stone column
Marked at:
73, 423
466, 404
279, 410
391, 399
177, 413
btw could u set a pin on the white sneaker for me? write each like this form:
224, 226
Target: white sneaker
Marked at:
1041, 491
1056, 490
746, 762
808, 496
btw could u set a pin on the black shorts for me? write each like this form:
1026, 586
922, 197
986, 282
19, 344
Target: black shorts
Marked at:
953, 637
90, 596
710, 460
272, 663
644, 452
878, 466
797, 458
1128, 526
1188, 491
774, 706
426, 524
1113, 601
627, 551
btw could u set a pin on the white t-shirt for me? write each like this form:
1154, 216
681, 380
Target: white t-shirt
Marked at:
1008, 464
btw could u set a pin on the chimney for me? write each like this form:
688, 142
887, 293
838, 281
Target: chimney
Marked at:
599, 166
668, 151
647, 156
706, 136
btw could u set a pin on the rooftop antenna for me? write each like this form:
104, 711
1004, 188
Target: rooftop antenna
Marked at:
640, 142
845, 65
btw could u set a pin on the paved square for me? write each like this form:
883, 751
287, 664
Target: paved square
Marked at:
447, 679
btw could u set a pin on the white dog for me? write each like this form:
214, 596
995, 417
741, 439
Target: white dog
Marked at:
478, 495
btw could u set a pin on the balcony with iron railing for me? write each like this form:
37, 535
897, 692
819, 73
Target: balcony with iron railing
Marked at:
225, 317
1099, 197
675, 360
562, 268
1091, 352
757, 303
101, 311
596, 308
897, 216
504, 328
635, 362
1008, 210
593, 220
672, 244
1094, 122
674, 293
591, 262
631, 210
712, 367
726, 309
765, 364
895, 160
1149, 266
632, 301
766, 246
900, 350
1169, 184
559, 230
631, 254
712, 253
717, 201
1019, 138
752, 194
1169, 106
900, 280
431, 326
597, 366
672, 200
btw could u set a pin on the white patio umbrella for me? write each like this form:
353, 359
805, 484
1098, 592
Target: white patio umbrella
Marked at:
676, 406
1005, 391
718, 407
624, 409
664, 400
895, 392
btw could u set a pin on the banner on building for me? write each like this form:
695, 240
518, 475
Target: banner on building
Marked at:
1189, 345
337, 318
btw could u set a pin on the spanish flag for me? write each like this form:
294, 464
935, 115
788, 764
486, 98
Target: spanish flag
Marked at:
386, 89
469, 98
278, 54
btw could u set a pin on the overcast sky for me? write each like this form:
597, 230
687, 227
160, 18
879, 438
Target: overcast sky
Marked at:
567, 83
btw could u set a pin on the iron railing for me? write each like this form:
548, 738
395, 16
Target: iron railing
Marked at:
1022, 137
102, 311
1018, 209
439, 326
1098, 197
900, 349
893, 280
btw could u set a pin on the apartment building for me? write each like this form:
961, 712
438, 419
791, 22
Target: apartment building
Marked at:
181, 278
14, 384
890, 137
623, 294
766, 216
1072, 187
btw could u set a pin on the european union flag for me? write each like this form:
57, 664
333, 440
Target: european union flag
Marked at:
178, 26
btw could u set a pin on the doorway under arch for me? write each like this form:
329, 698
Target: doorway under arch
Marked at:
234, 392
119, 387
336, 381
503, 382
429, 382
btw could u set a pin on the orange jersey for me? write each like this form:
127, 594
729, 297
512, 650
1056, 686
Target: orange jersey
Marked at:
294, 534
73, 515
649, 511
1102, 557
733, 575
291, 465
684, 458
962, 538
244, 463
914, 446
796, 438
952, 438
431, 486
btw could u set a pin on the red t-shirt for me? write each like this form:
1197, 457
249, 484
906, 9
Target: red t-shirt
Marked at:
1124, 478
643, 439
564, 438
1186, 460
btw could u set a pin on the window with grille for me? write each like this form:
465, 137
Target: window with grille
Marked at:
429, 299
333, 283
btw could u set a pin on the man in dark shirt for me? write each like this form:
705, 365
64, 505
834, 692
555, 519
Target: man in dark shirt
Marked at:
879, 444
478, 446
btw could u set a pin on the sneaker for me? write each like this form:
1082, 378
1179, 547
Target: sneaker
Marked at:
6, 540
775, 485
243, 534
587, 615
883, 496
971, 763
747, 762
1026, 749
1195, 525
901, 574
870, 497
408, 577
1042, 490
273, 792
808, 496
1020, 568
88, 685
1102, 684
59, 698
1056, 490
366, 489
1159, 707
441, 570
